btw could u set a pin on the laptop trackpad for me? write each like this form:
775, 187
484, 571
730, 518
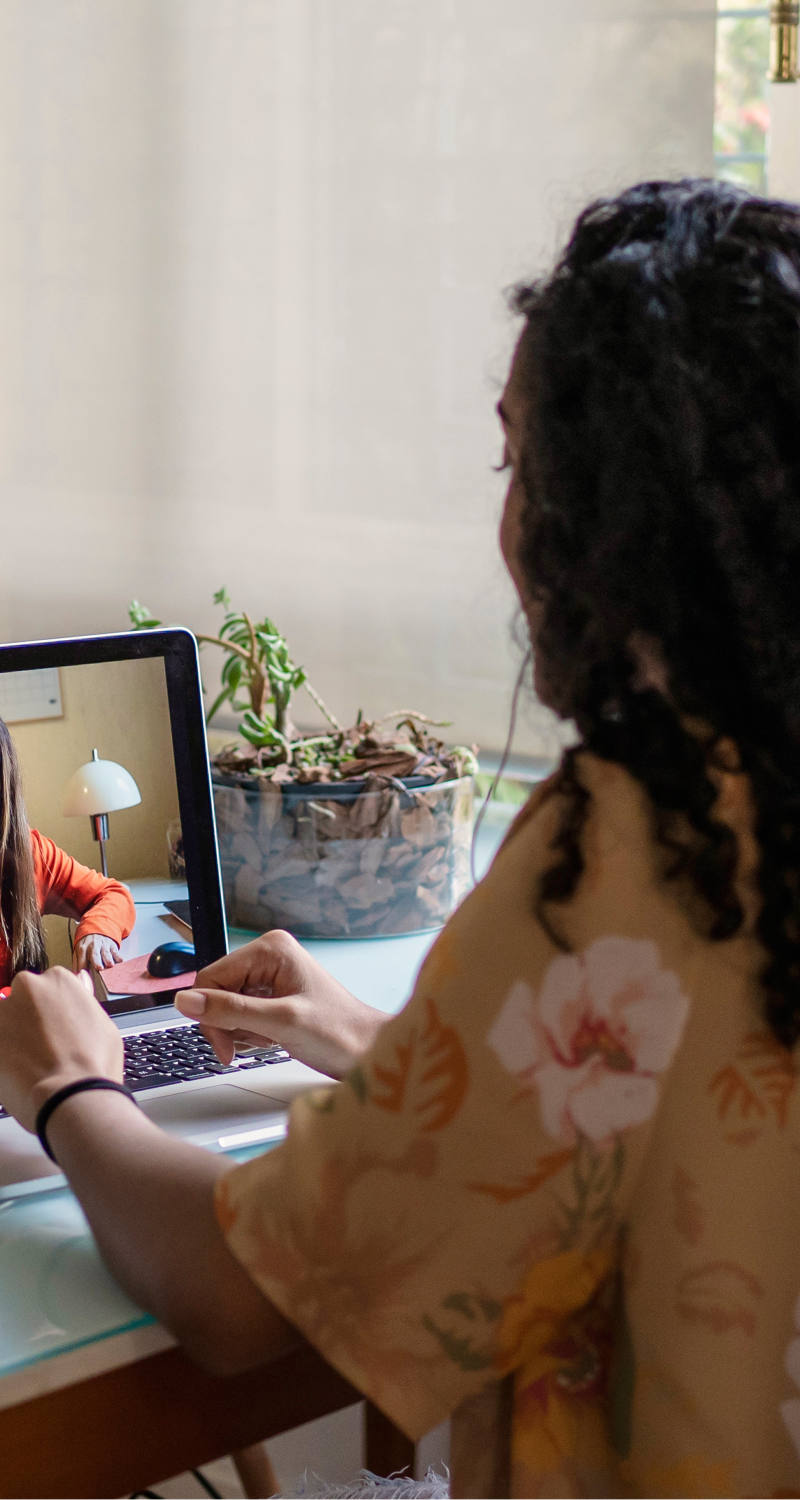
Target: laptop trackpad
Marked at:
200, 1114
220, 1117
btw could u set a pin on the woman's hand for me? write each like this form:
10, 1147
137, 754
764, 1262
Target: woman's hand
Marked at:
52, 1031
273, 991
95, 951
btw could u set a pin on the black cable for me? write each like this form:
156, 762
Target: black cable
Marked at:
501, 767
205, 1484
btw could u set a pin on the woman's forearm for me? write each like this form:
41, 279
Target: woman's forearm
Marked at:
149, 1201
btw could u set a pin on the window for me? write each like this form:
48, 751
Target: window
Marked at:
741, 114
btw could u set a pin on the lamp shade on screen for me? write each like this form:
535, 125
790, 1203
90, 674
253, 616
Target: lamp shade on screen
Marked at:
99, 786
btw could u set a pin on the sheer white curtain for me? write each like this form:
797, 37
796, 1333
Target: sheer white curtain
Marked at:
784, 140
251, 264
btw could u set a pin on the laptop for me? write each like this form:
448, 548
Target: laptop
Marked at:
133, 703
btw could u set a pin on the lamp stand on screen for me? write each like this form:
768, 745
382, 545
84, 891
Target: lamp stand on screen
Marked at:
97, 788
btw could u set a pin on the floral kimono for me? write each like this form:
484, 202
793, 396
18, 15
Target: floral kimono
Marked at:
559, 1199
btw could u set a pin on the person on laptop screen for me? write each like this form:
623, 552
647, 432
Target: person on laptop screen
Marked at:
38, 879
556, 1197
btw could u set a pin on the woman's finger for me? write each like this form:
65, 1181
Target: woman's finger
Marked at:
224, 1009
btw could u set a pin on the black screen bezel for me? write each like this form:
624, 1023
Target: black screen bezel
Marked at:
177, 648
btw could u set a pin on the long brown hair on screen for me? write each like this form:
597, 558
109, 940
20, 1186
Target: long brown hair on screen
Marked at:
20, 921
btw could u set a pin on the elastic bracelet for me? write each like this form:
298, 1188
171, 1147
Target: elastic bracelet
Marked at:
78, 1087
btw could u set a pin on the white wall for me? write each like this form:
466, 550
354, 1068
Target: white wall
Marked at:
122, 709
251, 329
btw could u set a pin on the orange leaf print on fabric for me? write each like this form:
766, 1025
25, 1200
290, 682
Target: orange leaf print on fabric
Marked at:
506, 1192
429, 1075
688, 1215
394, 1079
721, 1295
758, 1084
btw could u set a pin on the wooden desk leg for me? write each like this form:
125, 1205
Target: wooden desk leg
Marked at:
256, 1474
386, 1448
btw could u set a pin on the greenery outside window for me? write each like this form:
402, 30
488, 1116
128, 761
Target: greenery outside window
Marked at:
741, 114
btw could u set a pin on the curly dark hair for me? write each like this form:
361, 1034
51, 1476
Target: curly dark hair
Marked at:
661, 472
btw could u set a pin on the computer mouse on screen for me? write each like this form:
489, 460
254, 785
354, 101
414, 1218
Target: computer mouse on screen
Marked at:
169, 959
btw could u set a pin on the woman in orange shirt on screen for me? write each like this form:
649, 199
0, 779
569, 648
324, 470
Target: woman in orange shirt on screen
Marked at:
38, 879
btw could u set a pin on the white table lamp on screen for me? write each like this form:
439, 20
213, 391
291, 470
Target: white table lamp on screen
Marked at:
96, 789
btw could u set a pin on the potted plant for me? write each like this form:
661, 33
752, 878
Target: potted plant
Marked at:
344, 832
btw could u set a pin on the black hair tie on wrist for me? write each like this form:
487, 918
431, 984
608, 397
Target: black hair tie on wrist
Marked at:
78, 1087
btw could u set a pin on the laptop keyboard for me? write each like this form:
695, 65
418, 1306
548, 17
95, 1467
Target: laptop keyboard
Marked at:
180, 1055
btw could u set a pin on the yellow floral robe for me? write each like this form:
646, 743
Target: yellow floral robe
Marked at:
560, 1198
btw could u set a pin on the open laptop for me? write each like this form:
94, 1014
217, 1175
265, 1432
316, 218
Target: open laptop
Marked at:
135, 699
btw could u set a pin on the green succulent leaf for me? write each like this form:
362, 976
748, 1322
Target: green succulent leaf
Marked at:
141, 617
221, 698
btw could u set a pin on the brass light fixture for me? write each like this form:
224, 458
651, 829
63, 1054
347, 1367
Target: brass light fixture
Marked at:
785, 24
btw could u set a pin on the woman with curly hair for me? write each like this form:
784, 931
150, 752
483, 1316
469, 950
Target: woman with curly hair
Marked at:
556, 1197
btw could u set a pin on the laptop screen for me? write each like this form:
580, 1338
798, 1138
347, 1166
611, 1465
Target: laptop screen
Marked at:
110, 741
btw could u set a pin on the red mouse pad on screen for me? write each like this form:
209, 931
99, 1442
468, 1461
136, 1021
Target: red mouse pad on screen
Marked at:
131, 978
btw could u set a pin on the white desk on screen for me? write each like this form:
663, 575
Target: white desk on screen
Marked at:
154, 924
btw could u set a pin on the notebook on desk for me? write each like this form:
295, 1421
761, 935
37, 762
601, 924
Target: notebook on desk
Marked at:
135, 700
